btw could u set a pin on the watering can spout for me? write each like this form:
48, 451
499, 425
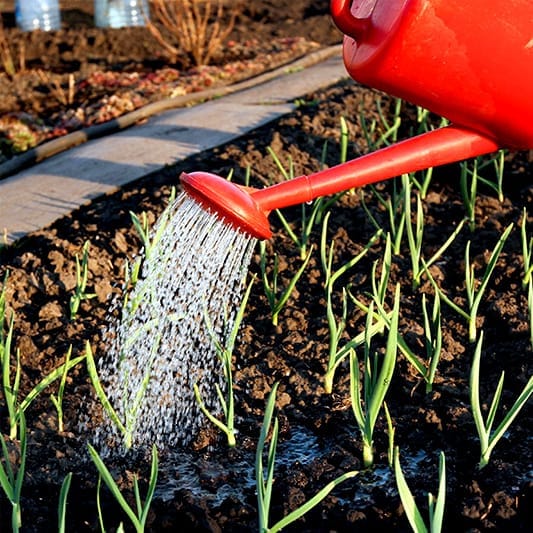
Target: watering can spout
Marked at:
248, 209
434, 148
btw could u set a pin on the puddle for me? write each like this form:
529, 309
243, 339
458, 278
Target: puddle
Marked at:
217, 476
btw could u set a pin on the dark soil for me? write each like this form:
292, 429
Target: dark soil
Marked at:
81, 76
210, 488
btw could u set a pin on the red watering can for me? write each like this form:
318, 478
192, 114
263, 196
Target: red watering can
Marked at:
470, 61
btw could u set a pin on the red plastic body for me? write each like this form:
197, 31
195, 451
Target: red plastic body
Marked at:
470, 61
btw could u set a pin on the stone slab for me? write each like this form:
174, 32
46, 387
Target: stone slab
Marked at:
36, 197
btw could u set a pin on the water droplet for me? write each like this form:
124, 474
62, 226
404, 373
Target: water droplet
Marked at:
161, 345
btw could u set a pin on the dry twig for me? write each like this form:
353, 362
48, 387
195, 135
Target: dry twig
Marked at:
195, 25
6, 57
56, 89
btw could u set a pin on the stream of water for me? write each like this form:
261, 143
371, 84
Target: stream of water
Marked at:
162, 346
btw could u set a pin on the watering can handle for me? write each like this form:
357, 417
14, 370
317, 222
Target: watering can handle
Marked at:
346, 19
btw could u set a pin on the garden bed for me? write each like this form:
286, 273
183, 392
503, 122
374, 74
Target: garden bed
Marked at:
81, 76
208, 487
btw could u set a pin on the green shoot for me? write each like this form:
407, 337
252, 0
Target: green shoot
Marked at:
130, 404
277, 302
11, 397
376, 379
3, 310
527, 277
342, 353
62, 508
498, 162
307, 218
11, 383
415, 234
391, 431
381, 316
312, 502
132, 273
469, 190
474, 290
323, 204
311, 212
435, 503
82, 273
287, 174
264, 483
149, 239
336, 327
247, 176
474, 297
138, 515
487, 437
142, 226
527, 251
470, 178
379, 288
308, 221
433, 338
499, 166
131, 277
530, 310
99, 508
422, 186
344, 140
394, 206
387, 130
58, 400
424, 125
383, 320
224, 354
102, 396
10, 478
44, 383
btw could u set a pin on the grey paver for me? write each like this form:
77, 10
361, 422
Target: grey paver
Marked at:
36, 197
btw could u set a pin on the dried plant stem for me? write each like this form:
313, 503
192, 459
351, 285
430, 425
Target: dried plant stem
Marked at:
52, 82
5, 52
195, 25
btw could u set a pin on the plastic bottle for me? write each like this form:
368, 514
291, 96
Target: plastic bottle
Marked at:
120, 13
37, 15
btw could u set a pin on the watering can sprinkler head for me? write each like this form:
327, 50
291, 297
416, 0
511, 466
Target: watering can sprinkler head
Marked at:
234, 204
462, 60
